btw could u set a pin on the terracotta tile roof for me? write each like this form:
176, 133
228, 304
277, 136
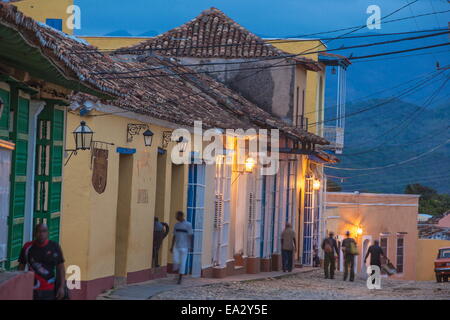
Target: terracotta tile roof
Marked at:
212, 34
180, 99
429, 231
58, 48
169, 91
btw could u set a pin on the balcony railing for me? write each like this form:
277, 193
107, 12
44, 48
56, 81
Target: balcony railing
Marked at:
336, 137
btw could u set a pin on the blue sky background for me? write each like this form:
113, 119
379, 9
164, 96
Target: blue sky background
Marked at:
266, 17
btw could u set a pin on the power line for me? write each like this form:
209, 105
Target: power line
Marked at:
282, 40
400, 57
400, 51
203, 91
384, 22
407, 92
393, 164
396, 182
403, 125
255, 61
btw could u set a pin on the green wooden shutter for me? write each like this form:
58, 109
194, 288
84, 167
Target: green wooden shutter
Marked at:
20, 107
4, 118
49, 164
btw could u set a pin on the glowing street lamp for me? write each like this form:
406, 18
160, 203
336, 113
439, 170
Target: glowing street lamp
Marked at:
316, 184
359, 231
249, 164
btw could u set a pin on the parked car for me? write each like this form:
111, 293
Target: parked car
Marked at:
442, 264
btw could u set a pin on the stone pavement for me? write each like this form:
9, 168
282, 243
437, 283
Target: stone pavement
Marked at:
149, 289
312, 286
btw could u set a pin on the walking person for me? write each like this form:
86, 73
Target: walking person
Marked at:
349, 250
160, 232
287, 247
376, 252
45, 258
181, 244
329, 247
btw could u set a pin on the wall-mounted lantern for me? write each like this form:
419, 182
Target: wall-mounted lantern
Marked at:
134, 129
316, 184
359, 231
183, 144
148, 138
249, 164
83, 137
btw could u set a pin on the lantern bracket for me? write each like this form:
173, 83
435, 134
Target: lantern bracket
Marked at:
134, 129
72, 152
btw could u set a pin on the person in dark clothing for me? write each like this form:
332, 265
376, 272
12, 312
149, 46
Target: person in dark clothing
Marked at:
329, 246
316, 258
45, 258
349, 256
160, 231
376, 252
287, 247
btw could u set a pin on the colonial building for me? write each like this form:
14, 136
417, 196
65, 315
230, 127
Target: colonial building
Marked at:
285, 84
389, 218
119, 181
36, 79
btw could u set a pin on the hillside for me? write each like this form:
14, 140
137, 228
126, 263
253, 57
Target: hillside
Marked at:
390, 134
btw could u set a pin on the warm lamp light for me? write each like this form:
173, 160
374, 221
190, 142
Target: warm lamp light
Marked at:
249, 164
359, 231
316, 184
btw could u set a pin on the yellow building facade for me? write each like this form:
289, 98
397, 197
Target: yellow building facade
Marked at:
53, 12
114, 229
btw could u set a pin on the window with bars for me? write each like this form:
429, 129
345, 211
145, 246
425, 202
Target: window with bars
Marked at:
308, 222
400, 254
195, 215
384, 245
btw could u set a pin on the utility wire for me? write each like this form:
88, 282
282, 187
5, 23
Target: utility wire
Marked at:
407, 92
405, 123
255, 61
286, 39
393, 164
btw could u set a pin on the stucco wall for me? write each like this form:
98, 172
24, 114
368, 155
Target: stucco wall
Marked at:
376, 214
88, 226
302, 47
427, 250
48, 9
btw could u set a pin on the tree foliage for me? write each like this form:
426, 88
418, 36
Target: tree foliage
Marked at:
430, 201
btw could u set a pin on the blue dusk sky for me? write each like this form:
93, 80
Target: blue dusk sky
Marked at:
273, 18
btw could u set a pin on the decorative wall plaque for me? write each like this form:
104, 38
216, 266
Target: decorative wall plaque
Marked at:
100, 169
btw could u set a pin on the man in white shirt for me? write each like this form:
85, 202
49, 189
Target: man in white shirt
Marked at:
181, 244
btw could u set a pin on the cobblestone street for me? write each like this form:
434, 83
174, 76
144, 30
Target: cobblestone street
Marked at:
311, 285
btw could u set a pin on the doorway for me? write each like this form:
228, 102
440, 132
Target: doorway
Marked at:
366, 240
123, 218
160, 256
